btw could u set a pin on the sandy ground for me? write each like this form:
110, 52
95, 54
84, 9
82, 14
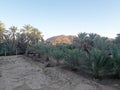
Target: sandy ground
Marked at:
21, 73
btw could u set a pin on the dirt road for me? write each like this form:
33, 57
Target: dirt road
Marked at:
21, 73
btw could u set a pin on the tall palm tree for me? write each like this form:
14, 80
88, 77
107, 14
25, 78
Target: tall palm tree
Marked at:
82, 41
13, 30
2, 31
82, 36
33, 35
117, 39
27, 29
92, 36
36, 35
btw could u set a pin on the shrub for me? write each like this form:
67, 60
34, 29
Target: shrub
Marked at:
75, 58
58, 55
116, 58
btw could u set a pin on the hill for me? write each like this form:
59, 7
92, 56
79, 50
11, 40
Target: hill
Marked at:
61, 39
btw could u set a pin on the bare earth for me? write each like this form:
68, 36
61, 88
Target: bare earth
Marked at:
21, 73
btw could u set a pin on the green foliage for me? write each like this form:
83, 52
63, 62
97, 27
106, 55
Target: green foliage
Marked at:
100, 64
2, 31
64, 47
13, 41
117, 39
75, 58
101, 43
116, 58
72, 58
85, 41
6, 49
44, 50
2, 49
38, 48
58, 54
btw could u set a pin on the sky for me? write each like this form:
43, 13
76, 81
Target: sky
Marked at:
68, 17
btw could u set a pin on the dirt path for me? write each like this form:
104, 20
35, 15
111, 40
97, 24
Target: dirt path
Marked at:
21, 73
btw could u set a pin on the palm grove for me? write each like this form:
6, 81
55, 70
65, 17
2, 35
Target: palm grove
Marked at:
96, 55
14, 41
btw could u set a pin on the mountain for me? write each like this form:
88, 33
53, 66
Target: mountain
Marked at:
61, 39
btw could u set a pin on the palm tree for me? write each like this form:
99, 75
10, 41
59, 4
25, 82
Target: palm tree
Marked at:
21, 42
92, 36
117, 39
36, 36
39, 37
2, 31
78, 42
116, 58
82, 35
33, 35
100, 64
27, 29
83, 42
13, 30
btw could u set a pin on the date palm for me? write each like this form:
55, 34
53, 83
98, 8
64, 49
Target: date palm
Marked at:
116, 58
92, 36
2, 31
78, 42
100, 64
117, 39
36, 36
27, 29
83, 42
13, 30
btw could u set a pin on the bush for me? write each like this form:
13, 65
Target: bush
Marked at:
7, 49
75, 58
116, 58
58, 55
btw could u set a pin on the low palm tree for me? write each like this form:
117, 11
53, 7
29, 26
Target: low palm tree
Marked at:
116, 58
100, 63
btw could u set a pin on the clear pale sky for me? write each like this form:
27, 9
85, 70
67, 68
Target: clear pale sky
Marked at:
69, 17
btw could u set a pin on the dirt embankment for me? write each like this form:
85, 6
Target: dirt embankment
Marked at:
21, 73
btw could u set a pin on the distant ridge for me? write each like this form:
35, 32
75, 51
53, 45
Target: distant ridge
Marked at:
67, 39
